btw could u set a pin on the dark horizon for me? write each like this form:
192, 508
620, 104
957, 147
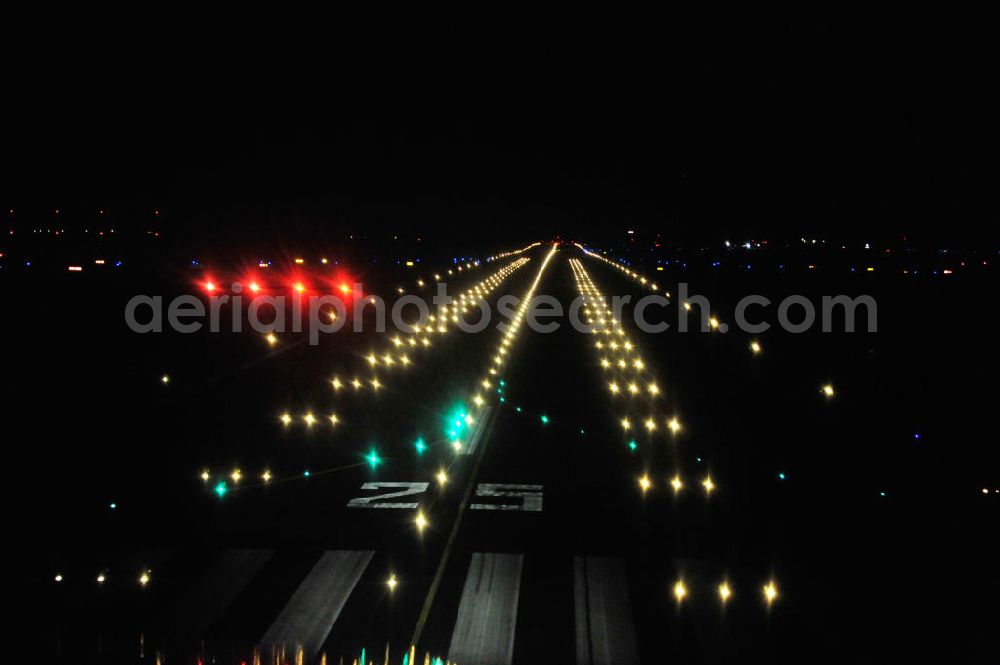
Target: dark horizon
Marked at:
820, 132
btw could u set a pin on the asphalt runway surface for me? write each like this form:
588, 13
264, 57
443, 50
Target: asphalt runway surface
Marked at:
533, 540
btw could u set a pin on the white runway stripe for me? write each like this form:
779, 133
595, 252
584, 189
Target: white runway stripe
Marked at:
487, 614
307, 619
605, 633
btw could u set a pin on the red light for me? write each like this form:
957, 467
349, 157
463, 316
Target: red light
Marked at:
299, 287
255, 287
345, 289
210, 286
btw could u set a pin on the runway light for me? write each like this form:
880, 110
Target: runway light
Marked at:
770, 592
626, 425
221, 489
442, 477
677, 484
708, 485
828, 390
680, 591
650, 424
391, 583
144, 578
755, 347
645, 484
725, 592
58, 578
205, 475
164, 379
674, 425
632, 445
101, 578
420, 521
254, 287
286, 419
266, 476
310, 419
236, 475
271, 338
373, 459
420, 445
545, 419
299, 287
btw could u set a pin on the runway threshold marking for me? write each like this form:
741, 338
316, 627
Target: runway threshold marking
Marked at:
487, 613
605, 632
307, 618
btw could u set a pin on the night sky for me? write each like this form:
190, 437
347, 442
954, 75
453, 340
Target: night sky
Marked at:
792, 128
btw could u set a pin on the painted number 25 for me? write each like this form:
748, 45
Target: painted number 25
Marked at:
525, 498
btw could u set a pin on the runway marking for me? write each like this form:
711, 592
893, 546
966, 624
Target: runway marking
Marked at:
605, 633
530, 495
487, 613
368, 501
306, 621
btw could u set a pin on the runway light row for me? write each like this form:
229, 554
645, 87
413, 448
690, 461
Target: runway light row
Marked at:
509, 335
724, 592
144, 578
311, 420
617, 355
438, 323
514, 252
677, 484
628, 272
236, 475
421, 282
